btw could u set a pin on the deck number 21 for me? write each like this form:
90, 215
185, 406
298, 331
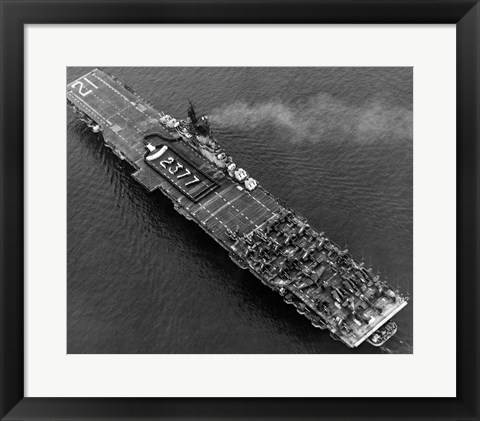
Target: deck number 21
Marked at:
80, 87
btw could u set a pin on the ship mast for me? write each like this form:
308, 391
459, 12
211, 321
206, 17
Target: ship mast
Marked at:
201, 124
191, 113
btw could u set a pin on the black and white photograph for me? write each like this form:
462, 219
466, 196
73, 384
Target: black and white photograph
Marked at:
240, 210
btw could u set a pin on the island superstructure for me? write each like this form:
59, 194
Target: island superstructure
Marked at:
182, 159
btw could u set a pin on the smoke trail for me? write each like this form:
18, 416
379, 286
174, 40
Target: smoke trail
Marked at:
319, 116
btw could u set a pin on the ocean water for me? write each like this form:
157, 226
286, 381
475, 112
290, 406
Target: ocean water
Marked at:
335, 143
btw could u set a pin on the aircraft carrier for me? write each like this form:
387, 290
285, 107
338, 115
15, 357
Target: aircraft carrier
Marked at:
182, 159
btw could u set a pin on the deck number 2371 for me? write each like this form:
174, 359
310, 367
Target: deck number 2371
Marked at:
175, 168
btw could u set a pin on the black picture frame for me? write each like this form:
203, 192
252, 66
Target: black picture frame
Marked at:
15, 14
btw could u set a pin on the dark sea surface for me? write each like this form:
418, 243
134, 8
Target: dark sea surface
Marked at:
335, 143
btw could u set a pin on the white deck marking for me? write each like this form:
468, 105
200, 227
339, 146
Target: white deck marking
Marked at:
88, 107
95, 86
233, 207
203, 206
113, 89
230, 203
118, 111
211, 215
262, 224
76, 80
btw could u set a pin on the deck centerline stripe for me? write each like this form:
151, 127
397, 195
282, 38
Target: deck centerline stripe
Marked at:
87, 106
